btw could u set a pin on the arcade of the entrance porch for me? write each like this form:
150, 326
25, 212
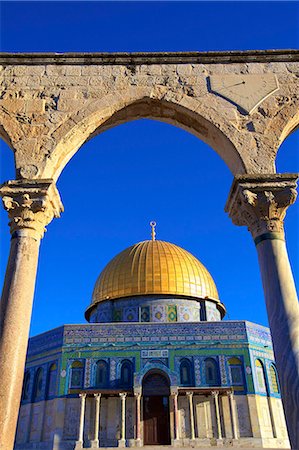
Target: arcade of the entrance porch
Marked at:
218, 405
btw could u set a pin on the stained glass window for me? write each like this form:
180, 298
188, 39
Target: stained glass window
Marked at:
38, 384
102, 374
52, 377
186, 372
77, 374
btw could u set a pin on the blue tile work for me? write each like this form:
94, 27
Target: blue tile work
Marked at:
153, 345
152, 309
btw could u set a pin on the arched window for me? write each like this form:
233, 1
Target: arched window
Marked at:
26, 387
77, 375
274, 379
211, 372
51, 381
101, 374
260, 376
38, 384
186, 373
236, 374
126, 374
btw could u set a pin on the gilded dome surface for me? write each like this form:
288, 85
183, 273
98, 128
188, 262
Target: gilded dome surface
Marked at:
154, 267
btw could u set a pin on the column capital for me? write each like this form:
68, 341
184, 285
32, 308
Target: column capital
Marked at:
214, 393
97, 395
229, 393
137, 395
260, 202
31, 205
82, 395
189, 394
123, 395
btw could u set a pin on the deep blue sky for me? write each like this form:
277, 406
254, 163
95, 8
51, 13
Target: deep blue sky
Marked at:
146, 170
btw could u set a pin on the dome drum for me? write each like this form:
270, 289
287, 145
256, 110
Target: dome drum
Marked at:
154, 308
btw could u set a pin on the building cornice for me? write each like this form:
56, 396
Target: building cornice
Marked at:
213, 57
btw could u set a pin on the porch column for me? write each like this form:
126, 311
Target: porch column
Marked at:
190, 400
260, 203
95, 441
215, 395
176, 415
79, 443
231, 399
122, 441
31, 205
138, 410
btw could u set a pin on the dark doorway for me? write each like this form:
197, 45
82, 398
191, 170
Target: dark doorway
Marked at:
156, 410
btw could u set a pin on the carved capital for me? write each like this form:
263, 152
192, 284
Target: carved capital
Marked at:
123, 396
31, 205
189, 394
215, 394
82, 395
261, 203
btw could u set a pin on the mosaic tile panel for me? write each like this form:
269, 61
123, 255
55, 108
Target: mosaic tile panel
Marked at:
158, 313
185, 313
117, 315
145, 314
131, 314
222, 366
87, 376
197, 371
213, 315
171, 313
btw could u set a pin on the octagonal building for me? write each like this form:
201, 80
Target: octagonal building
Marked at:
155, 365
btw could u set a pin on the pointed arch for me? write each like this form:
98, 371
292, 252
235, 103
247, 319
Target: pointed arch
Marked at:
120, 107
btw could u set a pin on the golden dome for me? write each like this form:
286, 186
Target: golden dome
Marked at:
154, 267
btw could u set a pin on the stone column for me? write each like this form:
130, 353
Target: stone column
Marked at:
79, 443
190, 400
95, 441
138, 411
31, 205
233, 414
122, 441
215, 395
176, 415
260, 203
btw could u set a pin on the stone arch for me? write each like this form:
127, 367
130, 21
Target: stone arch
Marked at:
283, 125
155, 367
117, 108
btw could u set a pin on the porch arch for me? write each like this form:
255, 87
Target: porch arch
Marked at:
116, 109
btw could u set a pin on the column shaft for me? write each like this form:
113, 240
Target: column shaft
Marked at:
283, 313
233, 415
15, 315
82, 415
190, 400
176, 416
217, 412
123, 420
97, 417
138, 431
